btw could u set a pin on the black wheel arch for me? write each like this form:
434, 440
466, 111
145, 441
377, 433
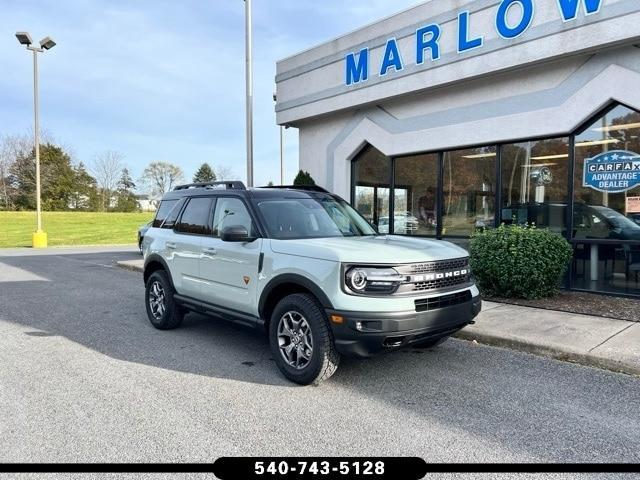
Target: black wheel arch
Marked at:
155, 262
286, 284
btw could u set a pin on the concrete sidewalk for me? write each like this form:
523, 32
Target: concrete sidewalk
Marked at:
588, 340
594, 341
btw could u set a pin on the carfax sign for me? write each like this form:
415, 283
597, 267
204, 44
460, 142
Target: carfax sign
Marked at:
614, 172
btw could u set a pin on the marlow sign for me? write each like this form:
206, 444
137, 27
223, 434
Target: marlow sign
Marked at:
613, 172
427, 38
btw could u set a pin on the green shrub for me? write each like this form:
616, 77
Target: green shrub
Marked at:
519, 261
303, 178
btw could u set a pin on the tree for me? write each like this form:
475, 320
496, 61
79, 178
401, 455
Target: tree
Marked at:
106, 169
303, 178
160, 177
57, 178
204, 174
84, 195
223, 173
126, 198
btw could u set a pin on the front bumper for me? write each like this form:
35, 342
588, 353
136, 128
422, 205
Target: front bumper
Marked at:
382, 331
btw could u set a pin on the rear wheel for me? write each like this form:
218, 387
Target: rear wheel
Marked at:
163, 312
301, 340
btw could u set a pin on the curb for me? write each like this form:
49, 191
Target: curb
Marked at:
131, 265
556, 354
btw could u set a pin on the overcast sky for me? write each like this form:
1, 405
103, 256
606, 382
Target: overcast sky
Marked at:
164, 79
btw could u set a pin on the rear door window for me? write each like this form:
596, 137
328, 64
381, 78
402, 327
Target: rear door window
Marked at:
196, 217
163, 210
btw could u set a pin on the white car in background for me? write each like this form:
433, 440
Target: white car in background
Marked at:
404, 223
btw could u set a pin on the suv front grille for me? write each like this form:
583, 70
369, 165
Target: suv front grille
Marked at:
427, 304
440, 283
440, 266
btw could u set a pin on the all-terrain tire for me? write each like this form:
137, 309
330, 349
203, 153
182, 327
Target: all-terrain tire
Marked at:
324, 359
169, 315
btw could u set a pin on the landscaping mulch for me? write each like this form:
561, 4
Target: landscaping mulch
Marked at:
584, 303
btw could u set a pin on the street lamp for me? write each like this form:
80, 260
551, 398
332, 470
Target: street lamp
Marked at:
39, 237
249, 81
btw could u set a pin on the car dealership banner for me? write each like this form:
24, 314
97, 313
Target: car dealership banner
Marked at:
613, 172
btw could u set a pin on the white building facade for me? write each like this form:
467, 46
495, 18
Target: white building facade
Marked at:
460, 114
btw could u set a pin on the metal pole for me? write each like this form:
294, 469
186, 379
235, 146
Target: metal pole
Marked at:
37, 138
281, 155
249, 72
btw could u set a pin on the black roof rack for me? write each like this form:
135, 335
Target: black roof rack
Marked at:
308, 188
231, 185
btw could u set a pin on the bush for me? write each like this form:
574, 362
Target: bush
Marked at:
303, 178
519, 261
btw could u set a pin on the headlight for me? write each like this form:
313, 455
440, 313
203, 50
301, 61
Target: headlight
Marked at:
372, 280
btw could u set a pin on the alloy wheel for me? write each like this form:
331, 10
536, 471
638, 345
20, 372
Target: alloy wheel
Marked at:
295, 340
157, 300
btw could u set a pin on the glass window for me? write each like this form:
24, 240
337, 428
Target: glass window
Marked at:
163, 210
607, 177
371, 177
196, 217
469, 179
534, 183
231, 212
172, 216
416, 195
321, 216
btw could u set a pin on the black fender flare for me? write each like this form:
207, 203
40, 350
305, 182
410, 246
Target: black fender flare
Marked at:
156, 258
297, 279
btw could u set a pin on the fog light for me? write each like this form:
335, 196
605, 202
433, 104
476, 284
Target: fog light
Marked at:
359, 326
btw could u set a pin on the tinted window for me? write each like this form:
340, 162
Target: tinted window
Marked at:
163, 210
231, 212
172, 216
196, 218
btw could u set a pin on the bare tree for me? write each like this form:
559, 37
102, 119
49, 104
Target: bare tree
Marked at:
11, 147
106, 169
160, 177
223, 173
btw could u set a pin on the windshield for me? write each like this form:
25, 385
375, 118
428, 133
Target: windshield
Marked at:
617, 219
314, 217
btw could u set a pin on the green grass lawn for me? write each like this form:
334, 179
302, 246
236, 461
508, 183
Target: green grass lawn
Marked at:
72, 228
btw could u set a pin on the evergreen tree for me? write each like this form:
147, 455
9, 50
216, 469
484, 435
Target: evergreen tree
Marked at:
204, 174
126, 200
84, 196
57, 177
304, 178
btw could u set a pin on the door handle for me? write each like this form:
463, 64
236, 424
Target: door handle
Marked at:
170, 245
210, 251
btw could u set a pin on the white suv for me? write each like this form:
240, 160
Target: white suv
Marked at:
307, 268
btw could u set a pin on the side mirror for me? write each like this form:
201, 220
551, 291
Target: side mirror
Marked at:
235, 233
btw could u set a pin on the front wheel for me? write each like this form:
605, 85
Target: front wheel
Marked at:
163, 312
301, 340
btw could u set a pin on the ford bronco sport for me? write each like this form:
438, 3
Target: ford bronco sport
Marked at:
305, 267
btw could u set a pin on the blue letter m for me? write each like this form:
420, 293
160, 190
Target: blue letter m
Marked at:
569, 8
358, 70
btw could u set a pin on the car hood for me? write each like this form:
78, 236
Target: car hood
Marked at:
387, 249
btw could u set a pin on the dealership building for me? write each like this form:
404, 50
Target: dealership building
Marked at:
456, 115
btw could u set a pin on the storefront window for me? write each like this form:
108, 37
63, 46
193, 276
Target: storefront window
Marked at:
469, 180
607, 203
416, 195
534, 183
372, 182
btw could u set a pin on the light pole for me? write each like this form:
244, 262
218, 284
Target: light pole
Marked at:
39, 239
249, 80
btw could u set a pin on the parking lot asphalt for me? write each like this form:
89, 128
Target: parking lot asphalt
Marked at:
84, 377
